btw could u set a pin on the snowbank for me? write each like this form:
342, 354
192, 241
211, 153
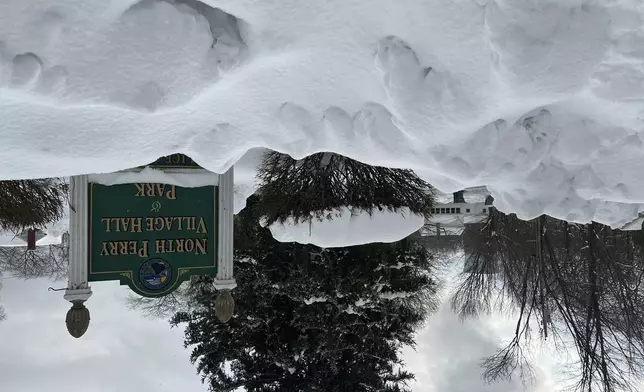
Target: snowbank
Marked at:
246, 176
187, 178
53, 235
539, 100
9, 240
349, 228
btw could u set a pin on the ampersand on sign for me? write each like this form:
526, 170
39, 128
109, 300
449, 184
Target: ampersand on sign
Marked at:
156, 206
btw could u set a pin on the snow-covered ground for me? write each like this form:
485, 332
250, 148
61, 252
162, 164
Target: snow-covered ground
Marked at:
53, 234
8, 239
539, 100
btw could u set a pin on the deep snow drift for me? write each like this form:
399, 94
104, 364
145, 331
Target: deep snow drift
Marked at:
349, 227
539, 100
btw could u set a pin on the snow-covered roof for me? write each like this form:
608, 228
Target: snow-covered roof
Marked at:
9, 239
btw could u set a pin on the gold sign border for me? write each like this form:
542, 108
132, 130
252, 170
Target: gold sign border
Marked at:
129, 273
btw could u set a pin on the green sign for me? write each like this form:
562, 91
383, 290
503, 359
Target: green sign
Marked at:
151, 237
175, 161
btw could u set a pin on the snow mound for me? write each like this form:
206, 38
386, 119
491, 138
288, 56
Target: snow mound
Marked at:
187, 178
117, 66
10, 240
53, 235
347, 228
541, 101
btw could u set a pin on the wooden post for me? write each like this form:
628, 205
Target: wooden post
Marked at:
78, 288
225, 279
31, 239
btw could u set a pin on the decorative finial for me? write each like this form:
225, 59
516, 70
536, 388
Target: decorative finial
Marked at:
77, 319
224, 306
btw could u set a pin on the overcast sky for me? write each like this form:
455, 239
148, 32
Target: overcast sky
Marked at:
121, 352
125, 352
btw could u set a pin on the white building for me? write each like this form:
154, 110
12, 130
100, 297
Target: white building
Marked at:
451, 218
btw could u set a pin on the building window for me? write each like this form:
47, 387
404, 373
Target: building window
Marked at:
453, 210
442, 210
467, 210
458, 210
484, 210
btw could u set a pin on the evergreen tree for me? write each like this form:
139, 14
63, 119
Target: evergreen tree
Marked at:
309, 319
323, 182
31, 203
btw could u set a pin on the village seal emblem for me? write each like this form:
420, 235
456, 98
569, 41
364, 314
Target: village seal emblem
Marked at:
155, 274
